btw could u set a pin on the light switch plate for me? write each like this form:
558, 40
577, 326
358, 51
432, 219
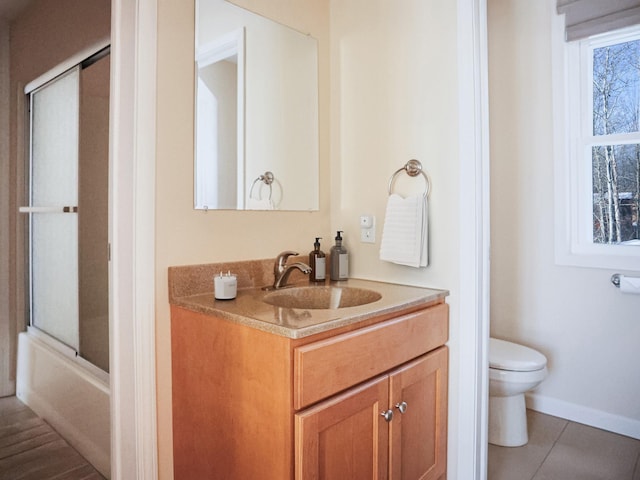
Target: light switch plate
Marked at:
367, 229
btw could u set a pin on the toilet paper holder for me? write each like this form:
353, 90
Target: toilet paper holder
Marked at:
626, 283
615, 279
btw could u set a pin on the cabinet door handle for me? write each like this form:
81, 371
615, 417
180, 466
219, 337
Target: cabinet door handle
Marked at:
388, 415
402, 406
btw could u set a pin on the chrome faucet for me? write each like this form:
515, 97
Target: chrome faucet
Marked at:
281, 270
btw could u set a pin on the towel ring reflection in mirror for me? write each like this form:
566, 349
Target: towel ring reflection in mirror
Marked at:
413, 168
267, 179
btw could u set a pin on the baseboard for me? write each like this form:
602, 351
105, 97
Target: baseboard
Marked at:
629, 427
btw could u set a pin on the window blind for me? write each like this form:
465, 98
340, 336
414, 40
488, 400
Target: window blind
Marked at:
584, 18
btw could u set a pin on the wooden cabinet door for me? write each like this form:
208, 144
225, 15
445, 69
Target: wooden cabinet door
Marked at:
418, 437
344, 437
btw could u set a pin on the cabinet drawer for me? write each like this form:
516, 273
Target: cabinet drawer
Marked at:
329, 366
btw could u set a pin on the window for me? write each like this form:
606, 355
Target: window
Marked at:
614, 139
598, 151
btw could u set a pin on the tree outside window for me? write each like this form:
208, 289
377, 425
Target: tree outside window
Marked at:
615, 151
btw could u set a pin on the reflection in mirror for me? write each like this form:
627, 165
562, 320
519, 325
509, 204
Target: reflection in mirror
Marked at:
256, 112
219, 125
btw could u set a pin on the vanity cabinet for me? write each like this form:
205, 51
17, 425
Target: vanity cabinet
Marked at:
391, 427
250, 404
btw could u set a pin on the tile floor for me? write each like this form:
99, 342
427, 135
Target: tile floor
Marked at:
562, 450
31, 450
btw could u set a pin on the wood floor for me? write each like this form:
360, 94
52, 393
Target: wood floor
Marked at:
31, 450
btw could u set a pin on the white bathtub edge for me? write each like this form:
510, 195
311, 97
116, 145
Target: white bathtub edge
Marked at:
43, 391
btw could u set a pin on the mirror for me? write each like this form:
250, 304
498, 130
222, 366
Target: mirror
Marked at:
256, 135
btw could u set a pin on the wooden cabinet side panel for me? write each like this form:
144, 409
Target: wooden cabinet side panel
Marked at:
329, 366
344, 437
232, 412
418, 444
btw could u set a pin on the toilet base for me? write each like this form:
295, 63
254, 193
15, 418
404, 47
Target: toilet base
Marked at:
508, 421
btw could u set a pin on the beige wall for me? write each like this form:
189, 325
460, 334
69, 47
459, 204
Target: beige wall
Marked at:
394, 98
587, 329
185, 236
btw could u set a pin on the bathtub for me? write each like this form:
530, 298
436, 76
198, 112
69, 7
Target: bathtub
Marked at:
68, 393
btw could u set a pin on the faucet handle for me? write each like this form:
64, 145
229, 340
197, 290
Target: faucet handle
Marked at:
281, 260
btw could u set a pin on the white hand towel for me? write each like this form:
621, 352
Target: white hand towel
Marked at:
404, 234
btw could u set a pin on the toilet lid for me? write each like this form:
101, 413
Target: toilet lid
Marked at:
505, 355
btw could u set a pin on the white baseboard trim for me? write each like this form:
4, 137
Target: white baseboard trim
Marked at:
629, 427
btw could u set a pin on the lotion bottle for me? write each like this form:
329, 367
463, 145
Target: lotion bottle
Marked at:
339, 260
317, 262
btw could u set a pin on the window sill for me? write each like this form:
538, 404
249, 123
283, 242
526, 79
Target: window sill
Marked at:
610, 257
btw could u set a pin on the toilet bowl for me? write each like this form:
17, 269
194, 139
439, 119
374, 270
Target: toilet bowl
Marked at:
513, 370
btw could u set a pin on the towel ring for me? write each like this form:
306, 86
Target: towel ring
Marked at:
267, 179
413, 168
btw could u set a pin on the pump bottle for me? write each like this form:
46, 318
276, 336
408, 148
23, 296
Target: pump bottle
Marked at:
317, 262
339, 260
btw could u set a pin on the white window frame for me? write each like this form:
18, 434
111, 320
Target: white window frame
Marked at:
572, 106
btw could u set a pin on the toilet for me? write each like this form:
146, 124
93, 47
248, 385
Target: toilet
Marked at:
513, 370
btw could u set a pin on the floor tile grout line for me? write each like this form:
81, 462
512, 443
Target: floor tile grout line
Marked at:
555, 441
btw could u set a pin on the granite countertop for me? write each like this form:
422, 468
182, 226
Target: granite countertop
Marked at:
248, 308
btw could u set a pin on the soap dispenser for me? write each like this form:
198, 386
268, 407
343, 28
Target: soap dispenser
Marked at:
339, 260
317, 262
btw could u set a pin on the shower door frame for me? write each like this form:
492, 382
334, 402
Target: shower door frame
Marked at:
68, 341
90, 54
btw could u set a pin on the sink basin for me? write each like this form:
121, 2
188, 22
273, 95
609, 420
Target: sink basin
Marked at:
321, 297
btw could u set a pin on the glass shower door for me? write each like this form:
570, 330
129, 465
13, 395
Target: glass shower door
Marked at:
53, 208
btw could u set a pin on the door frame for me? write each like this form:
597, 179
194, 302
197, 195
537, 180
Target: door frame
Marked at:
132, 239
468, 434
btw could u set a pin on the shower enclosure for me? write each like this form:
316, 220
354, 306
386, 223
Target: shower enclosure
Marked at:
63, 359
